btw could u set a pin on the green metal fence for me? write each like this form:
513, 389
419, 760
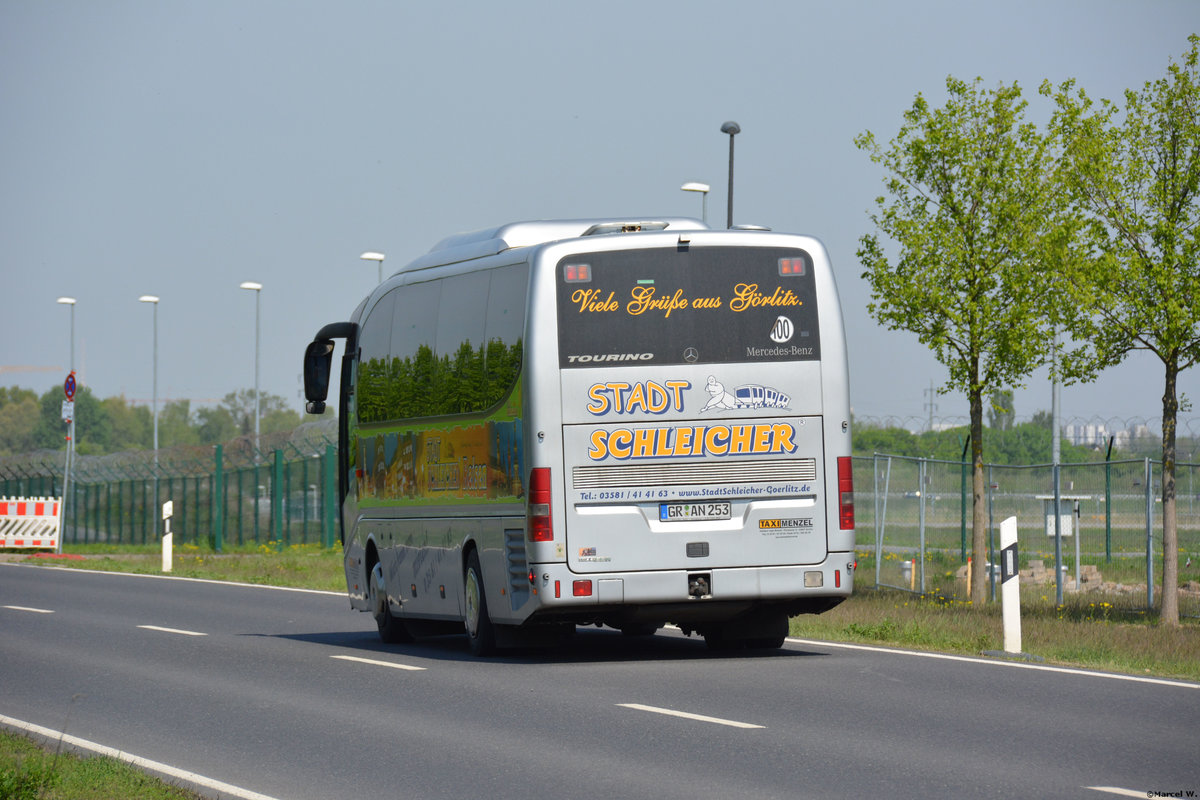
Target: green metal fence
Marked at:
909, 508
284, 490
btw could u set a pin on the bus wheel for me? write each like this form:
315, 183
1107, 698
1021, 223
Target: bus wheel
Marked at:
719, 639
769, 633
391, 630
639, 629
766, 631
766, 643
480, 632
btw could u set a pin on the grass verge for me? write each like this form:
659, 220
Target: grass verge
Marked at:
29, 771
302, 566
1092, 630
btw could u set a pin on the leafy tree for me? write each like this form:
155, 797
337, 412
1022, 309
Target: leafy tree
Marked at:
274, 414
279, 418
1134, 173
132, 426
971, 208
18, 416
1000, 410
215, 425
175, 424
93, 430
1022, 444
892, 441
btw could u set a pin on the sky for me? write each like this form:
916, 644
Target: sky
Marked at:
181, 148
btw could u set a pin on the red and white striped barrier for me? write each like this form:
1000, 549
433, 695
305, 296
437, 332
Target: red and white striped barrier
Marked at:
29, 522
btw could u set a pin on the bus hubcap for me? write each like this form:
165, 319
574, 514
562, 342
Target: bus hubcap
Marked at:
472, 602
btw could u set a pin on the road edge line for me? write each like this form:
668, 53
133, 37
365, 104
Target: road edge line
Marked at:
1180, 684
146, 764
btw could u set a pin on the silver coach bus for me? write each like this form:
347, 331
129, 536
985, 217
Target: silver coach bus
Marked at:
614, 422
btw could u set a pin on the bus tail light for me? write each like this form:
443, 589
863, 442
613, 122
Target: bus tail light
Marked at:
581, 588
845, 492
540, 529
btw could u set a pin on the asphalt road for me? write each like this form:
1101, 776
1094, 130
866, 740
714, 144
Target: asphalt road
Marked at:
290, 694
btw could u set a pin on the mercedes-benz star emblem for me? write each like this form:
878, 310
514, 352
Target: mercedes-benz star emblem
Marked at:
691, 355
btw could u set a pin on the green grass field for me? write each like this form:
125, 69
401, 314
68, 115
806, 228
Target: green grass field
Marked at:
29, 771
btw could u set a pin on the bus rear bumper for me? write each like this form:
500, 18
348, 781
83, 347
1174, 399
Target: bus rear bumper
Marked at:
700, 594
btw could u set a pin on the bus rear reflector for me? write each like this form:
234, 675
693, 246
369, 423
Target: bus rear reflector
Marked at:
846, 492
540, 529
577, 273
581, 588
791, 266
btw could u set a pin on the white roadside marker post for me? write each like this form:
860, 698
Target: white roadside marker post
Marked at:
168, 539
1010, 585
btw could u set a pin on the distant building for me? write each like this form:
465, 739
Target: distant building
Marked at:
1086, 434
1096, 435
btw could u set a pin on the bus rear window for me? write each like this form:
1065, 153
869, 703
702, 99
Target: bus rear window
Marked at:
687, 306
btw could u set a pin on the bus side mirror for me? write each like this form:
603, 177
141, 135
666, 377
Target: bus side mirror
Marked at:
318, 359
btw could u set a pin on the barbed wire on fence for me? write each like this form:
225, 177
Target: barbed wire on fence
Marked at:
1083, 431
308, 440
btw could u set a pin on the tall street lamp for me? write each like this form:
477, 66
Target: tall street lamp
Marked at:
257, 289
377, 258
732, 128
149, 298
62, 507
70, 301
694, 186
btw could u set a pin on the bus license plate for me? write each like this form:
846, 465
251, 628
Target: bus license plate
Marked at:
684, 512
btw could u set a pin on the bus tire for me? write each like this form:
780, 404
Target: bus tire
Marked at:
765, 630
636, 629
719, 640
391, 630
481, 634
765, 643
769, 632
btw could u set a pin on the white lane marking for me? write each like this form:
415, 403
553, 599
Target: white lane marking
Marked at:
391, 664
51, 735
31, 610
171, 630
1117, 790
685, 715
1014, 664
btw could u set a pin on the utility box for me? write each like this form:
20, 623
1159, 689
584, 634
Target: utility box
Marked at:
1068, 512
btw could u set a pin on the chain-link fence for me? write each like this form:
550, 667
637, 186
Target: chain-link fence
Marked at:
914, 512
282, 490
911, 513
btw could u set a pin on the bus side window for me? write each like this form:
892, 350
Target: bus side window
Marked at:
413, 361
459, 344
372, 380
505, 329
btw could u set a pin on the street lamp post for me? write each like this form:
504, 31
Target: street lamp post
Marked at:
70, 455
153, 299
70, 301
377, 258
732, 128
257, 289
694, 186
149, 298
